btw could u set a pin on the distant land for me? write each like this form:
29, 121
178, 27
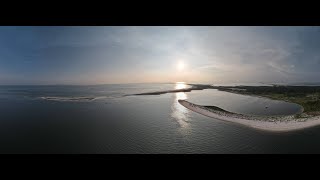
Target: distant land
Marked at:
308, 97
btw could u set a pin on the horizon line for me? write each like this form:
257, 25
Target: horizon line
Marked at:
152, 83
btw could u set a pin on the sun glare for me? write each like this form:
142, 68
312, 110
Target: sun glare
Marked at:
180, 85
181, 65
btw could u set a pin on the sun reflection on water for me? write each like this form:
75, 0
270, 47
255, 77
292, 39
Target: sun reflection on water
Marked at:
180, 85
179, 113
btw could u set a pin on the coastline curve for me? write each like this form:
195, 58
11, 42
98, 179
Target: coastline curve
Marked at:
265, 123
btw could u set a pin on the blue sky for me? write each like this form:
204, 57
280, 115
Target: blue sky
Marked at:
101, 55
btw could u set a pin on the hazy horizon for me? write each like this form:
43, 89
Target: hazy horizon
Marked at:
142, 89
75, 55
304, 82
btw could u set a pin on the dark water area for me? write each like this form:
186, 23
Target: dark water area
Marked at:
114, 123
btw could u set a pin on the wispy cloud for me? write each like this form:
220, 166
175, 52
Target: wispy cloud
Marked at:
139, 54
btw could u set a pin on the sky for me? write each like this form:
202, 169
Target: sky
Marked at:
144, 54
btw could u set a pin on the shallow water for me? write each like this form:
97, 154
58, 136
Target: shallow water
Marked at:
112, 123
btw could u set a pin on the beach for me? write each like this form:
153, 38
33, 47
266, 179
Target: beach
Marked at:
265, 123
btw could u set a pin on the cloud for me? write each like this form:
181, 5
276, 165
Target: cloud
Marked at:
130, 54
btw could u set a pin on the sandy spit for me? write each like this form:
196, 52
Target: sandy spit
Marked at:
266, 123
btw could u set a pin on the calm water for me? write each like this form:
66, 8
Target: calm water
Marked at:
137, 124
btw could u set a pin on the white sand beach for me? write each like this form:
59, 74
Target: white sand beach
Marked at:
266, 123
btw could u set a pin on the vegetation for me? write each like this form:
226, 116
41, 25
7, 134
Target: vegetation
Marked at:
306, 96
217, 109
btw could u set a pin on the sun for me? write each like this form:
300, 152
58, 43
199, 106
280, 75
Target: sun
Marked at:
180, 65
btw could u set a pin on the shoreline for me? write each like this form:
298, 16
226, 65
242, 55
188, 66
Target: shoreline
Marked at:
306, 96
265, 123
71, 99
264, 97
194, 88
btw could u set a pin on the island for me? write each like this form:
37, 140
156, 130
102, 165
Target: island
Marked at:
265, 123
192, 88
306, 96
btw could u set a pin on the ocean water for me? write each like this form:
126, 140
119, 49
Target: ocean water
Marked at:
101, 119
